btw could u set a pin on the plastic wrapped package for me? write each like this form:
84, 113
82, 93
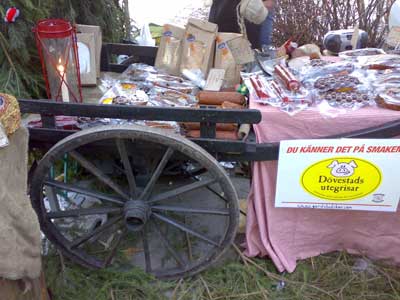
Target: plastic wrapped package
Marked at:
274, 92
169, 126
165, 97
195, 76
361, 52
107, 82
382, 78
138, 72
389, 97
379, 62
339, 83
309, 75
174, 83
125, 93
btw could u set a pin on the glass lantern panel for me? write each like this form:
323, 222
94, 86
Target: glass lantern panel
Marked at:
60, 60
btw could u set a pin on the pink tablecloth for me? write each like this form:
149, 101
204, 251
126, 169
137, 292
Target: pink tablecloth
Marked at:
287, 235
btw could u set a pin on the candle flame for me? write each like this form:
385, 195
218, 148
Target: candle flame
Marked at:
60, 67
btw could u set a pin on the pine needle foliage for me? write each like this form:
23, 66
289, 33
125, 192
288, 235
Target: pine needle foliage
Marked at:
20, 69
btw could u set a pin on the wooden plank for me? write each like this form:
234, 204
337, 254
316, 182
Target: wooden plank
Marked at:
24, 289
48, 107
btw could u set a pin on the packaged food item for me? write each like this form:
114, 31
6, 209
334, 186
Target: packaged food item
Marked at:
174, 83
199, 46
169, 52
173, 126
339, 83
218, 98
284, 74
347, 98
165, 97
389, 97
380, 62
361, 52
309, 75
138, 72
224, 59
125, 93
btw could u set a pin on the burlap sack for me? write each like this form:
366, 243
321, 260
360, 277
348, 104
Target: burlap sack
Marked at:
10, 116
20, 240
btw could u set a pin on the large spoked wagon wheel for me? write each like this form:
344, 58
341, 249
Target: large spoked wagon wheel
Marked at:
119, 206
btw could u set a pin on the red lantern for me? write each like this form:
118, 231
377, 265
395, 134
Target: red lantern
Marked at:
58, 51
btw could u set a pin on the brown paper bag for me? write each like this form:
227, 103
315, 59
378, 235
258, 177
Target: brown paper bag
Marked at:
199, 46
224, 59
169, 52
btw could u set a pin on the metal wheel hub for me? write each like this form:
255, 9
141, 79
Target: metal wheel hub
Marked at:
136, 213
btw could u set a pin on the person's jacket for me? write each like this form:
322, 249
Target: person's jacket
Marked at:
223, 13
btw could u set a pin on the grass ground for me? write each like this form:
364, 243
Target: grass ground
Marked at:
335, 276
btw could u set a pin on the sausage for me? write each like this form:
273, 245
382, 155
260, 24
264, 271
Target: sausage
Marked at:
219, 126
231, 105
217, 98
288, 78
221, 135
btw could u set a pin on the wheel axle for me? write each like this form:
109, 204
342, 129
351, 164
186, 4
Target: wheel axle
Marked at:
136, 214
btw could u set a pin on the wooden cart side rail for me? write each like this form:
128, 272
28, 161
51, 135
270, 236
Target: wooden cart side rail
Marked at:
231, 150
208, 118
52, 108
141, 54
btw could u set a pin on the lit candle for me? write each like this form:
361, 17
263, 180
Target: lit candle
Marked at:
64, 88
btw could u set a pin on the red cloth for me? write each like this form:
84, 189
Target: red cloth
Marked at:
288, 235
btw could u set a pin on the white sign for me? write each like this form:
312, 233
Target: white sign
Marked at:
341, 174
215, 80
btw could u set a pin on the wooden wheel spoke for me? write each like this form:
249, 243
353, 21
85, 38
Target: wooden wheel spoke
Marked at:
146, 250
184, 228
157, 173
169, 247
98, 173
75, 213
95, 234
83, 191
206, 211
127, 166
182, 190
114, 249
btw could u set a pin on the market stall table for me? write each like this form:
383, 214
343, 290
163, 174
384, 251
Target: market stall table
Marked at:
288, 235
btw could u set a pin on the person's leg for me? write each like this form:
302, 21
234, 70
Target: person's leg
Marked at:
266, 29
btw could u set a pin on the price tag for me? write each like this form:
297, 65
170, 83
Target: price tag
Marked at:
241, 50
215, 80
